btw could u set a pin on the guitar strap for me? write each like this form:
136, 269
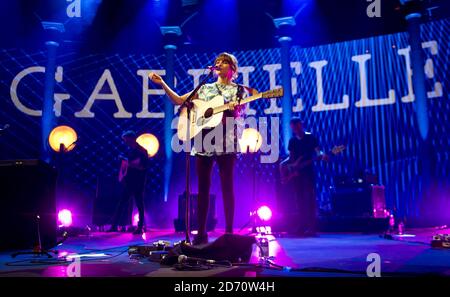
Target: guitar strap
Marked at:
218, 90
240, 93
251, 91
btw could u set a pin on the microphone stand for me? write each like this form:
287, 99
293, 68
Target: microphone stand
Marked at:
38, 249
188, 105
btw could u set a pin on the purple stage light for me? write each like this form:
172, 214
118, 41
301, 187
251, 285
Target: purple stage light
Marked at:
135, 219
65, 218
264, 213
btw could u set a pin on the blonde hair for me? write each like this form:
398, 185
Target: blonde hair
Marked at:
230, 58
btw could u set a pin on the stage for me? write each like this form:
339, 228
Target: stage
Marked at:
326, 255
327, 121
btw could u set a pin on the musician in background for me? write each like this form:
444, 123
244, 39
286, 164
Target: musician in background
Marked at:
226, 67
132, 175
304, 145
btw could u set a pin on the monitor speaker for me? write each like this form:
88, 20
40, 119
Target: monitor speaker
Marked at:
228, 247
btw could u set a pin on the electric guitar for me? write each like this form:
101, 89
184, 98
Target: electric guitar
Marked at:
289, 169
208, 114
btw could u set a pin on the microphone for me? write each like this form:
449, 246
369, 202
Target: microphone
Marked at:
183, 259
213, 68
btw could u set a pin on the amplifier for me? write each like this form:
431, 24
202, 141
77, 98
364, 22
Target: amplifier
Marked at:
28, 191
363, 201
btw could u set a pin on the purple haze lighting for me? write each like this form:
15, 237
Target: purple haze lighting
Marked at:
264, 213
65, 218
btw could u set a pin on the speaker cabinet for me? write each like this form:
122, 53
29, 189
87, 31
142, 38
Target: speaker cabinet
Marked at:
179, 223
228, 247
363, 201
27, 191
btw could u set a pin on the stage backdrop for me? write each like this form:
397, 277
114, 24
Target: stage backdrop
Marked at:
357, 93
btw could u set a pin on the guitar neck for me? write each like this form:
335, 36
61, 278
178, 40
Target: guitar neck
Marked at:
316, 158
319, 157
251, 98
224, 107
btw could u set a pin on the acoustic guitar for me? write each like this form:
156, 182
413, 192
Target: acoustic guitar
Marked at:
208, 114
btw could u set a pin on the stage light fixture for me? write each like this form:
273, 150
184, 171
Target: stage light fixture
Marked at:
264, 213
65, 218
62, 139
285, 21
149, 142
135, 220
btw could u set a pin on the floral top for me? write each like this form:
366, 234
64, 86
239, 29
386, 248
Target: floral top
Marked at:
229, 92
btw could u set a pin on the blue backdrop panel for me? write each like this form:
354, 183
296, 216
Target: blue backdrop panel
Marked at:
382, 139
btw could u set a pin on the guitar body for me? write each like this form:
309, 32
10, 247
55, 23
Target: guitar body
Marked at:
198, 120
123, 170
289, 170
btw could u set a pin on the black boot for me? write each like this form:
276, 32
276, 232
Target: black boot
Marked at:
200, 239
139, 231
113, 229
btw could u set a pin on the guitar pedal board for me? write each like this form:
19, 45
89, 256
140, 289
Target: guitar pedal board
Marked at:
441, 241
156, 250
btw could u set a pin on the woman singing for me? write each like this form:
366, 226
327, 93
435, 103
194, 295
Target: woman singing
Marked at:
226, 67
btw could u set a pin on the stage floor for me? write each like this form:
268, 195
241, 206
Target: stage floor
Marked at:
327, 255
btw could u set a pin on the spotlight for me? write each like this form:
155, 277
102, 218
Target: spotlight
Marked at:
62, 139
264, 213
65, 218
135, 219
259, 219
149, 142
250, 141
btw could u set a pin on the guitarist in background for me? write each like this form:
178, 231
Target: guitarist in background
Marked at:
304, 145
226, 67
132, 174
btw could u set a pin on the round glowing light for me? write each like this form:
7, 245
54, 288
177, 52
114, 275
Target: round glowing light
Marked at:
149, 142
264, 213
250, 141
62, 136
65, 218
135, 219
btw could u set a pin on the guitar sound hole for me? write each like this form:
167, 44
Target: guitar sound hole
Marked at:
208, 113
